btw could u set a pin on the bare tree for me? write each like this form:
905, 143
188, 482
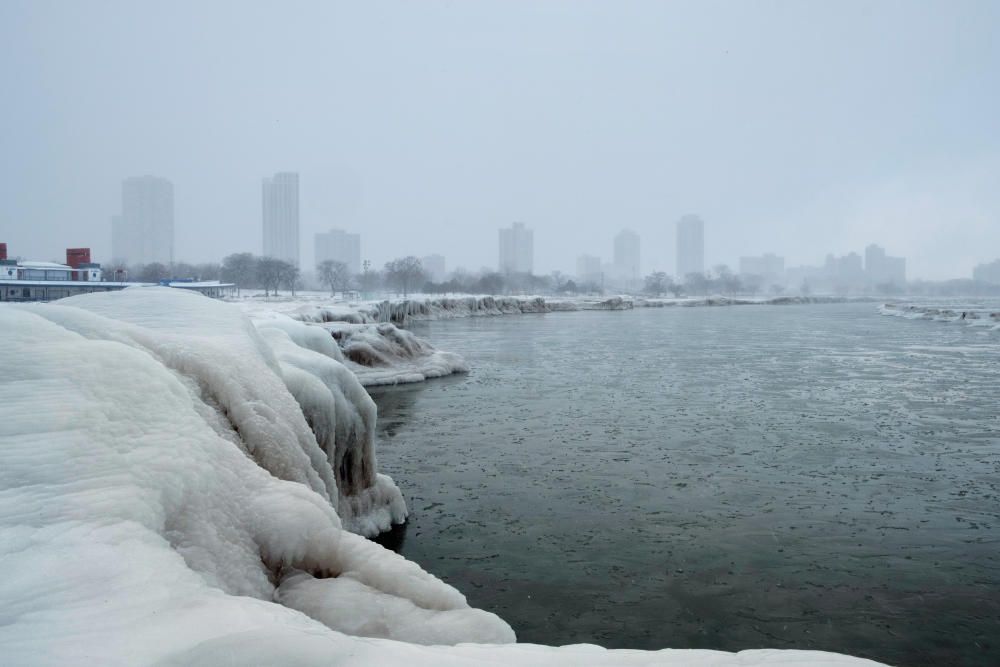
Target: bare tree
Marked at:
269, 274
240, 268
152, 273
289, 276
696, 283
333, 274
658, 283
405, 273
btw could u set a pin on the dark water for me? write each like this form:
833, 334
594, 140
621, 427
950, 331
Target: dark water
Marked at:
814, 477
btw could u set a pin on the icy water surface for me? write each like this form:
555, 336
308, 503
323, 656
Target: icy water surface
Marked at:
782, 476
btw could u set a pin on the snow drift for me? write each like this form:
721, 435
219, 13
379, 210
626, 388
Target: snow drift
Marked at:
163, 500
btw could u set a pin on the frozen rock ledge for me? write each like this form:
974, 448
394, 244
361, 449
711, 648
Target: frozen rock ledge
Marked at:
175, 485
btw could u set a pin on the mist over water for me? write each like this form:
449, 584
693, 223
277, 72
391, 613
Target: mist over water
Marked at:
807, 476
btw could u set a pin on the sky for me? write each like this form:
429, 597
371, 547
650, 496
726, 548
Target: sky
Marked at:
800, 128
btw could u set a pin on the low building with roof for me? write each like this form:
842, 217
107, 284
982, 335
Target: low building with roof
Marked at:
22, 280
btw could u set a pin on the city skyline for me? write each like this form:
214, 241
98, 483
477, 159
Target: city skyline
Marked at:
637, 142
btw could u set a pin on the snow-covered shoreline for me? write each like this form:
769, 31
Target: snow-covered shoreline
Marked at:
321, 308
180, 485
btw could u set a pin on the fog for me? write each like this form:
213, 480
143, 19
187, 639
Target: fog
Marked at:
792, 128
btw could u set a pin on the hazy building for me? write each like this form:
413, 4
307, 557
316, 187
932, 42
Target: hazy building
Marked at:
339, 246
769, 267
144, 232
434, 266
280, 199
690, 246
988, 273
588, 269
845, 273
882, 269
517, 249
626, 258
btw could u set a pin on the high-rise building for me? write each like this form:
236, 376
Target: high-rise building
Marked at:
517, 249
987, 273
768, 267
690, 246
626, 262
281, 217
144, 232
339, 246
882, 269
434, 266
588, 269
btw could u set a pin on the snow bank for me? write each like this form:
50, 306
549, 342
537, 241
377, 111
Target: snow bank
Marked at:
972, 315
161, 503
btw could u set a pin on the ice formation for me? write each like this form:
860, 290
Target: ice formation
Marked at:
384, 354
319, 309
973, 315
163, 500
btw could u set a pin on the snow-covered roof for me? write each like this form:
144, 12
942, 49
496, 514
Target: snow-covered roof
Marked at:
68, 283
44, 265
203, 283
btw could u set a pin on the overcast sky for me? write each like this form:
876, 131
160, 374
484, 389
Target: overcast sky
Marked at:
795, 127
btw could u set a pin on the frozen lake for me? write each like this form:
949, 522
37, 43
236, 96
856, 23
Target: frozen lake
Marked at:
783, 476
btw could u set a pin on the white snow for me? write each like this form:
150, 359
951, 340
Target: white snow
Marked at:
164, 501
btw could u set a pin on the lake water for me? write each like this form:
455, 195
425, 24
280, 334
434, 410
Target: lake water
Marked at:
763, 476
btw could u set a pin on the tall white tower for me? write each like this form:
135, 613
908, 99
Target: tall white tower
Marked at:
281, 217
690, 246
144, 232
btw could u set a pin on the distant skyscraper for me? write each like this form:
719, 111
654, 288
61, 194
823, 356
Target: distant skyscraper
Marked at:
434, 266
339, 246
690, 246
517, 249
882, 269
987, 273
627, 257
281, 217
144, 232
768, 266
588, 269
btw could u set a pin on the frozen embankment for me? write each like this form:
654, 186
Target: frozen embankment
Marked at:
319, 310
971, 315
174, 490
376, 353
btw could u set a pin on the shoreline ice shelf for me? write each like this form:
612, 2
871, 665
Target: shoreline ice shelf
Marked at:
321, 308
180, 485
